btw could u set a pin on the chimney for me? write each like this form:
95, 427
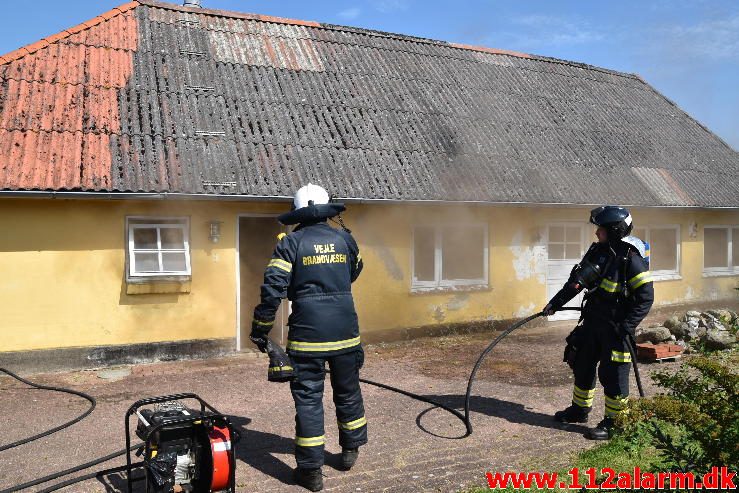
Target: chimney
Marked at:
192, 3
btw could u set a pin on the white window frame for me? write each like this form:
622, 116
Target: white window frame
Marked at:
438, 283
149, 222
731, 270
583, 244
665, 274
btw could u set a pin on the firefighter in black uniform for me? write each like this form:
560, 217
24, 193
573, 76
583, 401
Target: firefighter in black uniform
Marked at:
614, 271
314, 267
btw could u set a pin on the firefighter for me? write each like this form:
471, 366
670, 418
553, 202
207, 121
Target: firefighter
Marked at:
619, 295
314, 266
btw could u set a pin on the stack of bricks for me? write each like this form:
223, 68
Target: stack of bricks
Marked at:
652, 352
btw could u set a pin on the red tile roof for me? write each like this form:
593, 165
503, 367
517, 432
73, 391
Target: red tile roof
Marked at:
154, 97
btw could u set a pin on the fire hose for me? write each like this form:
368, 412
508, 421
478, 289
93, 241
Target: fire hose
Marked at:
72, 470
465, 418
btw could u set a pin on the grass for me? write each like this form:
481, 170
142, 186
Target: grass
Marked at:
619, 454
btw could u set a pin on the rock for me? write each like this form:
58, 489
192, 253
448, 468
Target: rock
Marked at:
723, 315
681, 330
734, 316
671, 322
717, 339
715, 325
692, 314
654, 335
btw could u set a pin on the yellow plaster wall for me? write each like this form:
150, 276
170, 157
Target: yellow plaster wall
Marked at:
63, 281
517, 262
692, 285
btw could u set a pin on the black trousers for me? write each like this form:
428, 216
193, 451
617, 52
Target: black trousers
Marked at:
307, 392
601, 347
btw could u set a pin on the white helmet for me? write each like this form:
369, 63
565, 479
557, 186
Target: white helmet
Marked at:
310, 192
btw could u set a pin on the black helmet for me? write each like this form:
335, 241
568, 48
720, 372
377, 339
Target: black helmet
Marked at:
616, 220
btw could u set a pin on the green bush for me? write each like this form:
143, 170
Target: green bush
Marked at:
696, 424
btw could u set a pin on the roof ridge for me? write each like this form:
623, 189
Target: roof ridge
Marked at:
375, 32
54, 38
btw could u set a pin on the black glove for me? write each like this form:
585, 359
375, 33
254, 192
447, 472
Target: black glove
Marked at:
548, 310
260, 341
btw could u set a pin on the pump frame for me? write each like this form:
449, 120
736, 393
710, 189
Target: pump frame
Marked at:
212, 415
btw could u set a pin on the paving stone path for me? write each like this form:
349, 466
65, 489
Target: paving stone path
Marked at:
413, 447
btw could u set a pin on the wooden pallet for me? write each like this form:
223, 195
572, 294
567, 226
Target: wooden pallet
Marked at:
666, 359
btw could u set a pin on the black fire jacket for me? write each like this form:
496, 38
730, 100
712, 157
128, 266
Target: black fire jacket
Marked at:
314, 267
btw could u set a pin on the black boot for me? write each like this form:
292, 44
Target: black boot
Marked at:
310, 479
349, 457
573, 414
602, 431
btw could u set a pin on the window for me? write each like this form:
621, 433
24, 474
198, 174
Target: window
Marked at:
450, 255
721, 250
564, 242
158, 247
664, 250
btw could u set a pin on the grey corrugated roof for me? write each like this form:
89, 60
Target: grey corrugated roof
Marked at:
226, 103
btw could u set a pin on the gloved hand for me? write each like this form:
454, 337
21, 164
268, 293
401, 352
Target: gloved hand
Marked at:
260, 342
548, 310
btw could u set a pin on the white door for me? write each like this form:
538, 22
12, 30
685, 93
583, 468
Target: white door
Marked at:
565, 248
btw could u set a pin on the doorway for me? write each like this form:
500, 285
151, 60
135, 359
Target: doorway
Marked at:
565, 248
257, 237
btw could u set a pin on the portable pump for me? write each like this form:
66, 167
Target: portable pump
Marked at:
184, 450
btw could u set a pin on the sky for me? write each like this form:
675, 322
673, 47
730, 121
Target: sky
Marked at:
687, 49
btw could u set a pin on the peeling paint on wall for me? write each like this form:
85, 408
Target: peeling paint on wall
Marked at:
458, 301
689, 293
529, 259
438, 313
525, 311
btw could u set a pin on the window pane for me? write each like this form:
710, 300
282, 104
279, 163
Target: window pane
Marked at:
663, 249
462, 251
557, 233
573, 234
423, 254
735, 248
147, 262
145, 238
172, 238
556, 252
572, 251
174, 262
715, 247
